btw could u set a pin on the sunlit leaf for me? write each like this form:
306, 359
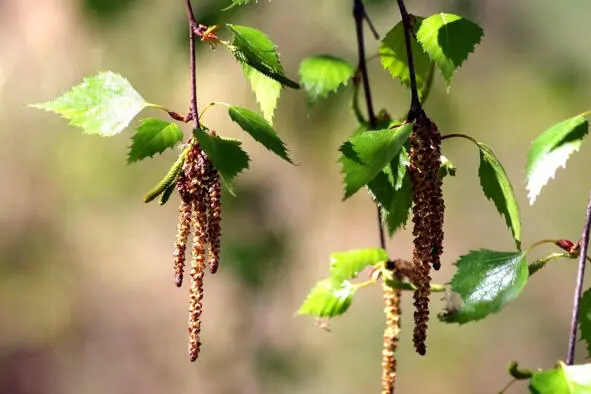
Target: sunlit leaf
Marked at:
226, 155
365, 155
448, 40
235, 3
254, 48
260, 130
485, 281
266, 90
551, 150
153, 136
565, 379
328, 299
321, 75
347, 265
393, 57
103, 104
497, 187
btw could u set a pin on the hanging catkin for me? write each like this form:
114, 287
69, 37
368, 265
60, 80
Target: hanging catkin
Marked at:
391, 334
428, 207
180, 247
200, 211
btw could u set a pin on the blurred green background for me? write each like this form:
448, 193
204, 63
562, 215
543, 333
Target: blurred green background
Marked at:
87, 300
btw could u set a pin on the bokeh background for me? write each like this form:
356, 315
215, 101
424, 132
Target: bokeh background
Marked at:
87, 300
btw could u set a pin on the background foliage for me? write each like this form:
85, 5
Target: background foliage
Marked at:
82, 259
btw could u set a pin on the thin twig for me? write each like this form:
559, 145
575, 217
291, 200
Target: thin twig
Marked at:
373, 29
570, 357
415, 103
360, 16
192, 26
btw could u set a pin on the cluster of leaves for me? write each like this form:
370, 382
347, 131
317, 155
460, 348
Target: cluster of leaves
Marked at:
372, 158
105, 105
485, 280
333, 295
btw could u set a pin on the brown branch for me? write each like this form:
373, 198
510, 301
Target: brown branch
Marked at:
360, 15
193, 25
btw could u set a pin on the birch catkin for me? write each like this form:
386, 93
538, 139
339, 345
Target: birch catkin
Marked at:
391, 335
200, 191
428, 207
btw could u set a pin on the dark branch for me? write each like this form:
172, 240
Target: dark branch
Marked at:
192, 27
572, 339
415, 103
360, 16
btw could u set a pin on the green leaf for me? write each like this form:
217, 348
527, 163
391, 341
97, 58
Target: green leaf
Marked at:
265, 89
347, 265
260, 130
254, 48
328, 299
365, 155
551, 150
486, 281
448, 40
392, 189
153, 136
226, 155
497, 187
392, 53
323, 74
447, 168
103, 104
585, 319
396, 214
572, 379
235, 3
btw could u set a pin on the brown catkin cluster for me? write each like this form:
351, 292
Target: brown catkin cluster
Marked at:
200, 211
428, 207
391, 334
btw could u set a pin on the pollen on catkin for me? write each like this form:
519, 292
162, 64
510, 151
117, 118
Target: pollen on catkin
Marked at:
199, 256
391, 336
180, 247
428, 207
214, 220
